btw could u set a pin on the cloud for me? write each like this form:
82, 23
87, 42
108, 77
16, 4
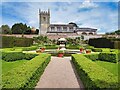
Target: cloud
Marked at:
88, 4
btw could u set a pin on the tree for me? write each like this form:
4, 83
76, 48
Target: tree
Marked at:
19, 28
113, 33
117, 32
6, 29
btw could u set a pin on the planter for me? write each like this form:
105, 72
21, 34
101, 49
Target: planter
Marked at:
88, 51
81, 49
42, 49
38, 51
60, 54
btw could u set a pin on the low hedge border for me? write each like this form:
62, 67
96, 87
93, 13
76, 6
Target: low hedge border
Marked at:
93, 56
30, 48
104, 56
93, 75
14, 56
27, 75
51, 46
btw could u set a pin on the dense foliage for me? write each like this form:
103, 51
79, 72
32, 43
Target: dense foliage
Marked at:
8, 41
114, 33
20, 28
42, 39
6, 29
93, 75
27, 75
101, 43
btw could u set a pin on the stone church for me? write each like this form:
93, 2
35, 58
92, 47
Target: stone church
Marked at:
66, 30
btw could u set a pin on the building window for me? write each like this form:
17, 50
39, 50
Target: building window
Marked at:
90, 33
58, 28
70, 28
84, 33
64, 28
52, 28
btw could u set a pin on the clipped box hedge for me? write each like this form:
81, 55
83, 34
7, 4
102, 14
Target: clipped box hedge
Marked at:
92, 75
30, 48
13, 56
27, 75
9, 41
93, 56
109, 56
97, 50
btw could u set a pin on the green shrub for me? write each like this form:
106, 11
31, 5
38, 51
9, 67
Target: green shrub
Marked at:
108, 56
9, 41
13, 56
93, 57
30, 48
97, 50
101, 43
27, 75
93, 75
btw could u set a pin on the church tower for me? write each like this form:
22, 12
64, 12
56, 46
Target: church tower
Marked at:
44, 21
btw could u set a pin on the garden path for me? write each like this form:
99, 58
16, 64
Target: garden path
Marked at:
60, 73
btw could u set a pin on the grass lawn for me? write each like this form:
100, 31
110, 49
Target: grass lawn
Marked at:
111, 67
6, 66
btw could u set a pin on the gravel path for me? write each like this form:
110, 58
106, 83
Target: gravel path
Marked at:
59, 73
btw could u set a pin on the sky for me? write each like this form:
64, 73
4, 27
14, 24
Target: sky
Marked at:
85, 13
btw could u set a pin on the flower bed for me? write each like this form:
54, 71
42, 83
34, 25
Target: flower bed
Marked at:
27, 75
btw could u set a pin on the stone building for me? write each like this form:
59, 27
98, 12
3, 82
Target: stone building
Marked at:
70, 29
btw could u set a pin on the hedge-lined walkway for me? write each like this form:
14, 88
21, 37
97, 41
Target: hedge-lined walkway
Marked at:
59, 73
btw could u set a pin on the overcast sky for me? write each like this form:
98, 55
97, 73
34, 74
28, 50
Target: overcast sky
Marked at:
100, 15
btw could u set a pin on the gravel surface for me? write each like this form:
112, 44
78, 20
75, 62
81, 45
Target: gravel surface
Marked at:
59, 73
